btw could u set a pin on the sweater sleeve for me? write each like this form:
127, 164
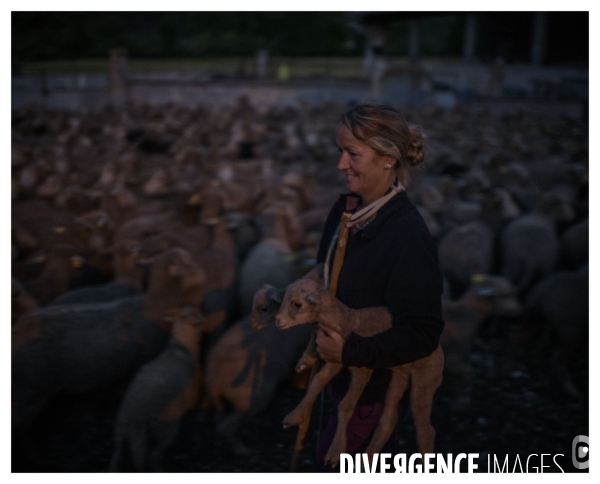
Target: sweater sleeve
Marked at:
413, 297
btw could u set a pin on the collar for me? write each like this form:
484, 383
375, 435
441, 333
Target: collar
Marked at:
351, 201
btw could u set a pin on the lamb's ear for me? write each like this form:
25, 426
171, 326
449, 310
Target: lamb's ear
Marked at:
313, 298
272, 293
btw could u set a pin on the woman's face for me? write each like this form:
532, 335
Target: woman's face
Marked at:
366, 172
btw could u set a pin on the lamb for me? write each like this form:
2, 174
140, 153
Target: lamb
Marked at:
307, 301
83, 346
160, 394
246, 365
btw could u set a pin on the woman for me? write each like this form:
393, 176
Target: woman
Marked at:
391, 260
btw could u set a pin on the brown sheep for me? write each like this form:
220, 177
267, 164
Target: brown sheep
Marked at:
487, 296
246, 365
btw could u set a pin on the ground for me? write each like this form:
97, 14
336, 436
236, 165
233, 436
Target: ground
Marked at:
521, 412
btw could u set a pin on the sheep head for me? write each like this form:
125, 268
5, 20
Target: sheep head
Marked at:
265, 305
301, 304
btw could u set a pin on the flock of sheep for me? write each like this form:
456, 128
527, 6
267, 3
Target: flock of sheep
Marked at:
141, 236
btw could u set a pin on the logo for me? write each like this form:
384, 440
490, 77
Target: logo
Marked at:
581, 452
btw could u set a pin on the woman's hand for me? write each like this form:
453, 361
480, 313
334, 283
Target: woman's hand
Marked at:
329, 346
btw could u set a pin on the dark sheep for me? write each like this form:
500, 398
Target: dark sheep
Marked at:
161, 393
111, 291
84, 346
557, 324
575, 245
63, 268
529, 250
464, 251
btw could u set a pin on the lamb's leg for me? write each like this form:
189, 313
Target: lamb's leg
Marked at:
310, 355
138, 445
296, 416
389, 416
165, 435
425, 380
228, 428
360, 378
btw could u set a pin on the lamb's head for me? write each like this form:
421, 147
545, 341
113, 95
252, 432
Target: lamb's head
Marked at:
265, 305
301, 304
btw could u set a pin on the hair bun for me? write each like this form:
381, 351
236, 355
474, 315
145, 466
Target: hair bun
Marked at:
415, 154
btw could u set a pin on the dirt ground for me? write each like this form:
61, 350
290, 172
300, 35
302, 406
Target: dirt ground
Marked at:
521, 412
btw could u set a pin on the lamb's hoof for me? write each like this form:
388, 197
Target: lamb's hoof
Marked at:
370, 452
305, 363
293, 419
333, 454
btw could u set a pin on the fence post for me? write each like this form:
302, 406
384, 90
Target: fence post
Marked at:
118, 75
262, 59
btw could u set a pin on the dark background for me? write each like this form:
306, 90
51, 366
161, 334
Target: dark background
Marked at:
45, 36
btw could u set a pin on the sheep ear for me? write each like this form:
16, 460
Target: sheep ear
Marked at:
195, 200
313, 299
273, 294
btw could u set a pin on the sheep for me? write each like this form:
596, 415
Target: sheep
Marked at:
466, 250
213, 200
248, 363
574, 243
128, 282
487, 296
62, 265
162, 391
145, 225
84, 346
21, 301
557, 311
529, 250
38, 225
219, 305
23, 239
307, 301
271, 261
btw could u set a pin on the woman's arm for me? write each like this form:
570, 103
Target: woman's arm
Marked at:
413, 297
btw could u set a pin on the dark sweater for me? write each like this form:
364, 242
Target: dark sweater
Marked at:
392, 262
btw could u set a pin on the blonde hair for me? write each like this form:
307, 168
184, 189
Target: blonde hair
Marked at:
383, 128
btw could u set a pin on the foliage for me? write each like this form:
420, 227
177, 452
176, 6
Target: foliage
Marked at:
39, 36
